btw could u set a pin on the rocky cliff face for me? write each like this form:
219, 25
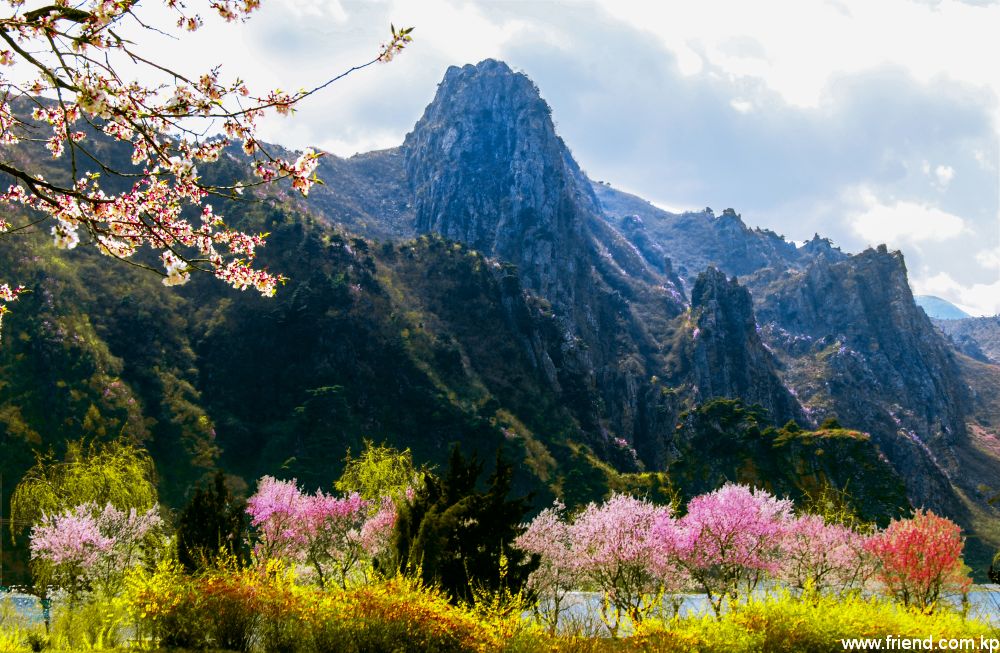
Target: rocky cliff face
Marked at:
486, 168
857, 347
729, 358
976, 337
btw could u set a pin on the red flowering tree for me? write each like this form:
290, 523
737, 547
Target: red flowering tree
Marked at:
66, 85
920, 559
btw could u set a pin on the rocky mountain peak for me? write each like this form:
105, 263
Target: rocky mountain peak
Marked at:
487, 168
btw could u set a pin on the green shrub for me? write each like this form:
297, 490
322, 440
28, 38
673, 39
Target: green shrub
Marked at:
94, 624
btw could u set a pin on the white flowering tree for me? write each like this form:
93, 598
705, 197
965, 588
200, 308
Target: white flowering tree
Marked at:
62, 80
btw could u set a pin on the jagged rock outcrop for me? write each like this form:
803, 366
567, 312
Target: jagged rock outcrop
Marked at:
729, 358
696, 240
857, 347
486, 168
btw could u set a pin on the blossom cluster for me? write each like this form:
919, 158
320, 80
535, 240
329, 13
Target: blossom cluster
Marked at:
74, 53
330, 535
89, 546
725, 545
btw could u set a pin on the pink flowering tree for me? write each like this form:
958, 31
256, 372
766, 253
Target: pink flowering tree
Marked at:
88, 547
614, 550
65, 546
132, 533
67, 86
549, 537
728, 540
920, 559
330, 530
376, 533
274, 512
821, 556
330, 535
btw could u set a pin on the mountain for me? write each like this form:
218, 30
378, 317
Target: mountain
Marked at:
977, 337
694, 241
939, 309
473, 285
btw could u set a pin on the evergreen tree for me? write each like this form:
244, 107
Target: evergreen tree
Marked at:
994, 573
456, 535
213, 523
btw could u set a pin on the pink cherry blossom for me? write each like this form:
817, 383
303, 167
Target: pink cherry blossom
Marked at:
331, 535
274, 510
76, 53
824, 556
612, 545
728, 540
548, 536
376, 534
90, 546
71, 539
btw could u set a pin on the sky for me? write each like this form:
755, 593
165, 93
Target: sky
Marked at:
870, 121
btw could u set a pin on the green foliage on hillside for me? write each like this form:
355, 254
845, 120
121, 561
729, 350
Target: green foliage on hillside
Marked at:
212, 525
725, 440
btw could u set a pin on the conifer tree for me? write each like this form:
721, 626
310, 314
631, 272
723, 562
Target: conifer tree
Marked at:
456, 535
212, 523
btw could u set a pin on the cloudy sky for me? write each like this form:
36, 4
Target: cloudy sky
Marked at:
867, 121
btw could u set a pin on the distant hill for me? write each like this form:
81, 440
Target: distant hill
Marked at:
939, 309
978, 337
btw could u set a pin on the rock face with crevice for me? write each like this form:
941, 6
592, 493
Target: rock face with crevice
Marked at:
858, 347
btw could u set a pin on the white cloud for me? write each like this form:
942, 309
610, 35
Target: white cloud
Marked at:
976, 299
325, 9
944, 175
899, 222
741, 105
808, 42
989, 259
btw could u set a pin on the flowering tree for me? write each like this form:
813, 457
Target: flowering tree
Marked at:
129, 532
274, 511
824, 556
613, 547
330, 531
548, 536
98, 474
330, 534
90, 547
728, 539
920, 559
72, 57
376, 534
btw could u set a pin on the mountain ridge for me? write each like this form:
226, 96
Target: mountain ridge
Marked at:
473, 285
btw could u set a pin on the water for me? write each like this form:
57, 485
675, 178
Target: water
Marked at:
26, 608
